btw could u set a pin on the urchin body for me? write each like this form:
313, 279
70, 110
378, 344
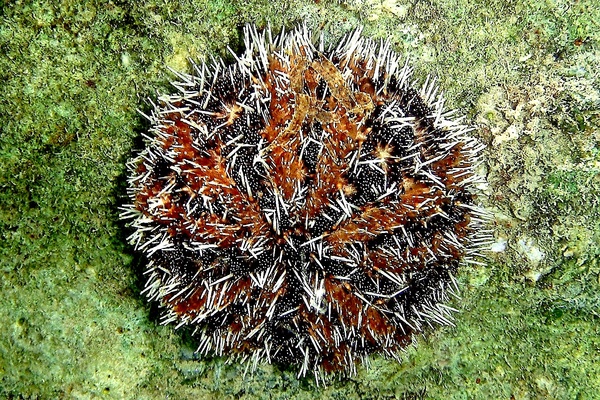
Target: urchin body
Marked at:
304, 206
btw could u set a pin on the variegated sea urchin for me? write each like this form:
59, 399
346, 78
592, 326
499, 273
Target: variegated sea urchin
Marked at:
305, 206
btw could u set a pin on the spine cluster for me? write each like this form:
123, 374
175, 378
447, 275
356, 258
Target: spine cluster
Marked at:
305, 206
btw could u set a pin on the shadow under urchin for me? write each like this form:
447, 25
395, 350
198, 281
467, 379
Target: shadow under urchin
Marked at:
305, 206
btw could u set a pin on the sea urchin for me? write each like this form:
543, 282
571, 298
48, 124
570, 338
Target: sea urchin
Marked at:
304, 205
